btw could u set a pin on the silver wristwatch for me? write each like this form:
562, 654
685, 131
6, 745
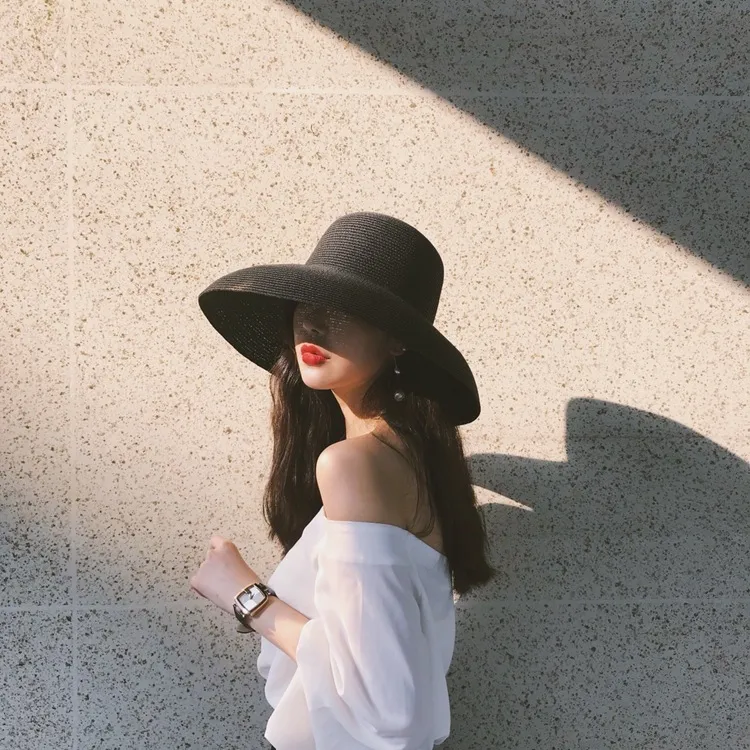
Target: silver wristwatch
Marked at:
249, 603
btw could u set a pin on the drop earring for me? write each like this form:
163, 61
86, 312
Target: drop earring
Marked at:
398, 394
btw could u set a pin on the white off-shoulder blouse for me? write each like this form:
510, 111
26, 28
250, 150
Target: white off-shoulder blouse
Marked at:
372, 661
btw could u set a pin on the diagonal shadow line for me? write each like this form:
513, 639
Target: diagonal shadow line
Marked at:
620, 96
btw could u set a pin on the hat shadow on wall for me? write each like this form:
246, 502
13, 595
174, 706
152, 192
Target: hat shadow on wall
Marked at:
616, 575
609, 94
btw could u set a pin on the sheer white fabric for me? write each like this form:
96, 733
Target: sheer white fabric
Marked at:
372, 661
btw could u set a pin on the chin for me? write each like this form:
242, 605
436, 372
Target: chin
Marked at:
314, 380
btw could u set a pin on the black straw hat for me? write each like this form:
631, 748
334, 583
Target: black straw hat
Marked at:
368, 264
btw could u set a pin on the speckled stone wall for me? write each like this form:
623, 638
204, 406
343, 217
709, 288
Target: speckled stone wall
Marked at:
583, 170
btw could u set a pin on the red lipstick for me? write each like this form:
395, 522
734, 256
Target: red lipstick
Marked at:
312, 355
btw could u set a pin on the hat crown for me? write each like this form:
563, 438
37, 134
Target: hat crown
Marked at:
387, 252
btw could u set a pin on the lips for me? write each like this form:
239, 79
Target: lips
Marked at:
312, 349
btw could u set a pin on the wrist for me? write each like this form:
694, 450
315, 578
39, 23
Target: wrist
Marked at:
263, 622
250, 602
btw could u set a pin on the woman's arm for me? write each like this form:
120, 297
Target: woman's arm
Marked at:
281, 624
342, 471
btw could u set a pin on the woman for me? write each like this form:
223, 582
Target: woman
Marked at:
369, 491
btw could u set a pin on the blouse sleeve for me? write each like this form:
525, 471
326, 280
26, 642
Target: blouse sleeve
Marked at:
363, 660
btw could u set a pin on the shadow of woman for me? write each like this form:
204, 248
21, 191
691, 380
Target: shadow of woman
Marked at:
619, 616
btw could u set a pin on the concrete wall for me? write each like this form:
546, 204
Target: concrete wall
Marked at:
583, 171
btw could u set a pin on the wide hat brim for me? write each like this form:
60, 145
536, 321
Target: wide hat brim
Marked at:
249, 306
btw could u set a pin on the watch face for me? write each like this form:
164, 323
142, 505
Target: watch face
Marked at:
251, 597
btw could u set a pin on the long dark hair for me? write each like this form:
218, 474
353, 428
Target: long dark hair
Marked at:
305, 421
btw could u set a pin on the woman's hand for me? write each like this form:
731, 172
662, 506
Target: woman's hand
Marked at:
223, 574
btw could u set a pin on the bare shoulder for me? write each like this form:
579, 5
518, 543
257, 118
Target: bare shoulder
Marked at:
352, 485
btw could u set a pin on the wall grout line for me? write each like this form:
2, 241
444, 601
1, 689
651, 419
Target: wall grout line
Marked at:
190, 606
419, 92
500, 604
73, 454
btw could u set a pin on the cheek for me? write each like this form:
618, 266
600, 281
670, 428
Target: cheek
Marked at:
363, 353
359, 361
